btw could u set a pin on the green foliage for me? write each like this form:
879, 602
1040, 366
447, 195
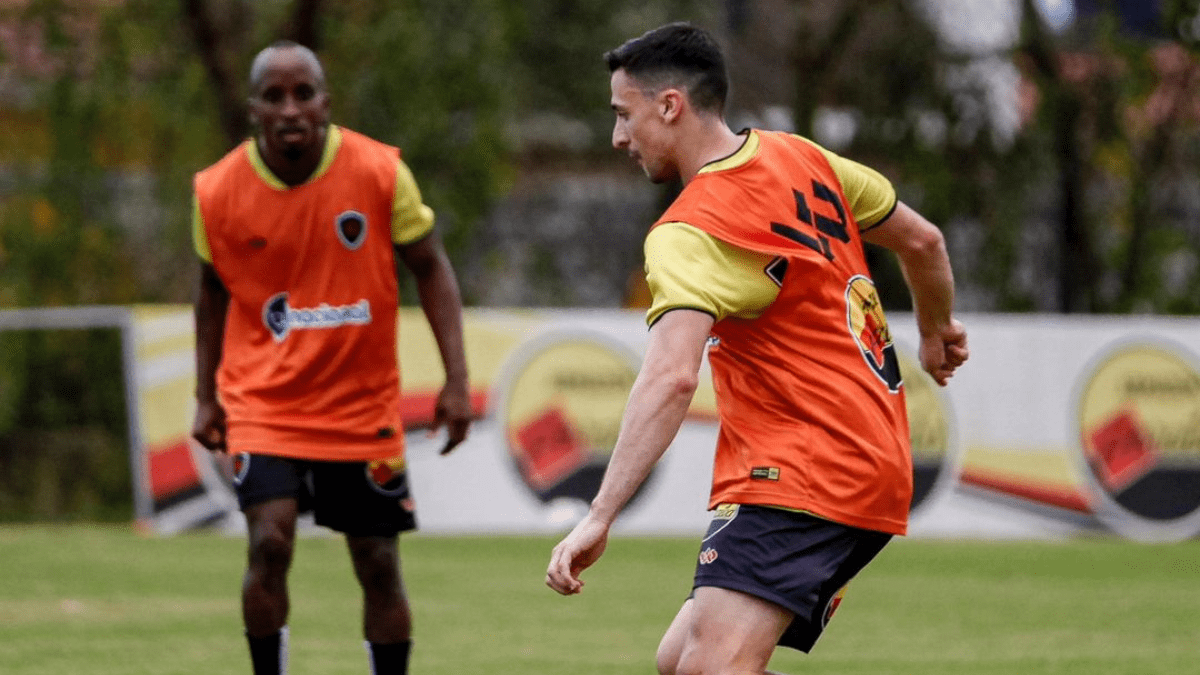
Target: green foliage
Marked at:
59, 241
123, 110
1085, 207
429, 77
557, 65
13, 374
63, 441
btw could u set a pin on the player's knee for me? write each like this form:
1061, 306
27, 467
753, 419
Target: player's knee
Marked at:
690, 662
378, 570
690, 668
666, 665
702, 662
667, 658
381, 585
271, 555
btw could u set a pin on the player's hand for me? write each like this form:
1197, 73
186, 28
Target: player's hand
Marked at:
944, 351
575, 553
208, 427
453, 410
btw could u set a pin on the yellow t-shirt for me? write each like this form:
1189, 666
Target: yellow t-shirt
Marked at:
411, 218
687, 268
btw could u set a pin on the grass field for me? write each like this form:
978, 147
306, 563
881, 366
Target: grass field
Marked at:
104, 600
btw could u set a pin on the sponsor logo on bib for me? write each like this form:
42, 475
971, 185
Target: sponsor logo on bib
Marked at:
281, 318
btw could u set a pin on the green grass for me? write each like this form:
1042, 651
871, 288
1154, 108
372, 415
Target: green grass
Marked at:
104, 600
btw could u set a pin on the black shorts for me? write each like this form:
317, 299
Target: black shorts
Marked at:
366, 499
795, 560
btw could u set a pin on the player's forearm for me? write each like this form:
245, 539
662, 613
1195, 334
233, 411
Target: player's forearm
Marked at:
655, 411
442, 303
656, 408
921, 250
926, 269
210, 311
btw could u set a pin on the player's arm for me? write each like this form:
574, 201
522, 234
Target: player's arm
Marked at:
437, 288
657, 404
212, 306
420, 248
208, 427
921, 249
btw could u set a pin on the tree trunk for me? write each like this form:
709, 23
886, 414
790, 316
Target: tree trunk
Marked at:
230, 99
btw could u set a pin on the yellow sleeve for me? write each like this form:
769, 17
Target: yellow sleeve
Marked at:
199, 234
687, 268
411, 218
871, 197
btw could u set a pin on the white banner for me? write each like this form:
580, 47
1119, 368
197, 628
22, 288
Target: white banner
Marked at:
1057, 425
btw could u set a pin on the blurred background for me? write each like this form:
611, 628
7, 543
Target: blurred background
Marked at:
1056, 143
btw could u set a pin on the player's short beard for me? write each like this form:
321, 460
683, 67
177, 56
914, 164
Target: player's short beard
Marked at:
294, 153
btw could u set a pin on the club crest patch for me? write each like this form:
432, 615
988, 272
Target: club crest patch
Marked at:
830, 608
869, 328
241, 467
722, 517
386, 476
351, 229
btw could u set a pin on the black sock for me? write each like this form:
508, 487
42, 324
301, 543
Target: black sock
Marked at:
268, 654
389, 659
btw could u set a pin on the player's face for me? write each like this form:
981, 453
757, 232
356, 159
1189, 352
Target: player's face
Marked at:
290, 108
640, 128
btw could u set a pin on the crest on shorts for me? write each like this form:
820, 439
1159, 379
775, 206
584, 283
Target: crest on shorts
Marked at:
351, 229
722, 517
834, 602
386, 476
241, 467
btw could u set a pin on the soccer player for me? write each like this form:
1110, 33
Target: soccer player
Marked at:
298, 230
761, 259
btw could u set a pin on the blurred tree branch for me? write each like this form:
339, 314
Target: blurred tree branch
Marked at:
1166, 111
1077, 267
814, 58
212, 46
302, 27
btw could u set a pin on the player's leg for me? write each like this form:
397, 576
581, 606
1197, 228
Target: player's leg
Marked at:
729, 632
271, 531
370, 504
268, 491
386, 616
671, 648
387, 620
671, 645
271, 527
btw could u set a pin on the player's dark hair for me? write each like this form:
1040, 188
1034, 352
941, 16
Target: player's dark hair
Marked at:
676, 55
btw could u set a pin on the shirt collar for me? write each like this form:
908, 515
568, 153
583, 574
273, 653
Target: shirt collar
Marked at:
744, 154
333, 141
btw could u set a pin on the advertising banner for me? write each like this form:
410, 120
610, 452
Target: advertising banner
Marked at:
1056, 426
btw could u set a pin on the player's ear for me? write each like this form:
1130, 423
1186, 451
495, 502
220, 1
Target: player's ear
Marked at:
670, 104
326, 106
